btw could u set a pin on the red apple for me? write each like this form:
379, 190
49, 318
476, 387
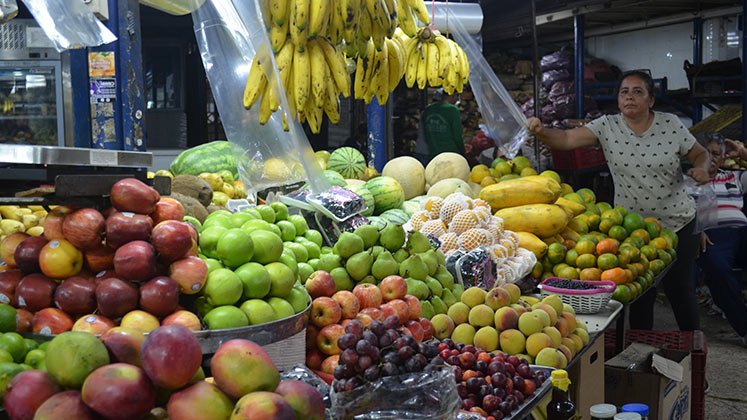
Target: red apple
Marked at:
330, 363
242, 366
325, 311
311, 333
365, 319
314, 359
119, 391
9, 280
76, 296
140, 320
348, 303
172, 240
104, 275
326, 341
64, 405
51, 321
159, 296
185, 319
402, 309
190, 273
428, 329
130, 194
116, 297
53, 223
415, 329
304, 398
27, 253
387, 310
414, 306
167, 209
124, 344
374, 313
135, 261
320, 283
26, 392
393, 287
93, 323
35, 292
171, 356
368, 295
8, 247
99, 259
59, 259
23, 320
127, 227
84, 228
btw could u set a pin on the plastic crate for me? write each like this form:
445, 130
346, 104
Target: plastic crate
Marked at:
581, 158
690, 341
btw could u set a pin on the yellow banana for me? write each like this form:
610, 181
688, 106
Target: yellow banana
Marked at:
290, 91
365, 25
336, 24
411, 73
264, 106
350, 11
278, 35
418, 6
319, 15
444, 55
381, 77
379, 34
360, 71
391, 9
301, 77
465, 64
407, 21
255, 83
299, 22
279, 11
318, 72
336, 64
432, 64
332, 104
396, 64
284, 60
422, 76
314, 118
371, 72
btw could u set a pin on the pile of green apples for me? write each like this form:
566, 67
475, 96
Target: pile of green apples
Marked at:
257, 260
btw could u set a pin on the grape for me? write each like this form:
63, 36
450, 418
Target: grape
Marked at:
405, 352
411, 341
392, 357
401, 342
363, 347
519, 395
519, 383
412, 365
453, 360
349, 357
484, 391
481, 366
469, 348
385, 341
391, 322
515, 361
339, 385
344, 371
353, 383
428, 350
570, 284
393, 334
497, 415
355, 327
525, 371
374, 353
449, 342
364, 362
377, 327
346, 341
389, 369
371, 337
371, 374
467, 404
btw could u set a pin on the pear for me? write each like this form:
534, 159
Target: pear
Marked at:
342, 279
426, 310
369, 234
417, 288
392, 237
328, 262
448, 297
444, 277
376, 250
430, 259
384, 266
368, 279
457, 291
439, 306
359, 265
441, 257
400, 255
413, 267
348, 244
435, 286
417, 243
326, 249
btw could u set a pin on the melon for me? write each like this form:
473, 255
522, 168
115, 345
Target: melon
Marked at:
354, 182
348, 162
395, 216
446, 165
377, 221
367, 197
410, 206
387, 193
334, 178
448, 186
410, 174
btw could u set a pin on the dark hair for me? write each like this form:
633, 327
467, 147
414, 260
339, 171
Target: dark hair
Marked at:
644, 75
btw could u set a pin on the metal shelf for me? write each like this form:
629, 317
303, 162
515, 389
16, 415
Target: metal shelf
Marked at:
70, 156
28, 117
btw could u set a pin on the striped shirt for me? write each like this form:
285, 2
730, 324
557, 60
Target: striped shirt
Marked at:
730, 187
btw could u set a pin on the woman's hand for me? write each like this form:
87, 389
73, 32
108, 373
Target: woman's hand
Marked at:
735, 149
704, 242
534, 125
700, 175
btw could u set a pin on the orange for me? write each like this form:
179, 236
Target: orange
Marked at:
633, 221
569, 244
635, 241
607, 261
653, 228
623, 258
649, 252
629, 274
656, 266
570, 257
622, 210
659, 243
641, 233
586, 261
635, 289
593, 220
568, 272
666, 232
613, 215
618, 232
607, 246
616, 274
585, 246
622, 294
644, 263
664, 256
590, 274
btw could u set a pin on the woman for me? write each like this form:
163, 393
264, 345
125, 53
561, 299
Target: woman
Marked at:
643, 150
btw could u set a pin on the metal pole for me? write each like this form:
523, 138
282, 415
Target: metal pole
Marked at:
535, 71
376, 134
697, 60
578, 77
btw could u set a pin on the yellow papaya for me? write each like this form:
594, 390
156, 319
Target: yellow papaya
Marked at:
570, 206
531, 242
548, 182
542, 220
516, 192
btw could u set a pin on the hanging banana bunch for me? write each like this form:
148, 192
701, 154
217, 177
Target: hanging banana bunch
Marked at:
434, 60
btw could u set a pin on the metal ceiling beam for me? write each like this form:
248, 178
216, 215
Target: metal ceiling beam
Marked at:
568, 13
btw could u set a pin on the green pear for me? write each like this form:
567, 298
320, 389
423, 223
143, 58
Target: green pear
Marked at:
326, 249
417, 288
341, 278
417, 243
369, 234
376, 250
444, 277
328, 262
413, 267
368, 279
441, 257
430, 259
457, 291
439, 306
400, 255
385, 265
426, 310
434, 285
359, 265
392, 237
448, 297
348, 244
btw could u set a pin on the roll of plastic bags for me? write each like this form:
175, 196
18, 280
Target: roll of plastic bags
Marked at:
506, 124
8, 10
229, 34
69, 24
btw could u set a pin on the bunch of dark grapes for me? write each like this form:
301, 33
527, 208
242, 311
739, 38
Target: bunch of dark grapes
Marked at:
380, 350
492, 385
570, 284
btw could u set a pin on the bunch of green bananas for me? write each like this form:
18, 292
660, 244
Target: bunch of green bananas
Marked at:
434, 60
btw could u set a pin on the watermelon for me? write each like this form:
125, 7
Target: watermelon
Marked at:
395, 216
367, 197
348, 162
387, 193
210, 157
410, 207
334, 178
377, 221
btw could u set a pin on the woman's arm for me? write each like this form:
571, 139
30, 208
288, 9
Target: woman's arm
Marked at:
701, 160
562, 139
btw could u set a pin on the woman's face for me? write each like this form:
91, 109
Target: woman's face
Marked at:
717, 156
633, 99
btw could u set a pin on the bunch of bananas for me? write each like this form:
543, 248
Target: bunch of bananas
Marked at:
379, 70
436, 61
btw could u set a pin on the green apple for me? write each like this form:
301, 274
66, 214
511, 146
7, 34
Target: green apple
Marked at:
240, 218
235, 247
287, 230
267, 213
298, 250
282, 279
283, 308
326, 249
209, 240
225, 317
212, 264
311, 248
314, 236
256, 224
281, 210
223, 287
267, 246
258, 311
255, 280
220, 220
219, 213
299, 299
289, 259
328, 262
194, 222
314, 263
304, 271
300, 223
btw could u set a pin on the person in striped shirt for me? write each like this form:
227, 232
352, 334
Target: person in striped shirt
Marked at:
724, 246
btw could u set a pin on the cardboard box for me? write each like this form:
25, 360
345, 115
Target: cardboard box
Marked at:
587, 378
659, 378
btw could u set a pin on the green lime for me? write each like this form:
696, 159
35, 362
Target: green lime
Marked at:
13, 343
7, 318
5, 356
35, 357
30, 344
225, 317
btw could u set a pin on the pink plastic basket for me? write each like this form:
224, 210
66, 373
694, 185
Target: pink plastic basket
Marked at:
583, 301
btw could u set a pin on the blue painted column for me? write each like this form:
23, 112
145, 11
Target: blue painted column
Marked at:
131, 92
81, 98
105, 117
697, 60
578, 76
377, 134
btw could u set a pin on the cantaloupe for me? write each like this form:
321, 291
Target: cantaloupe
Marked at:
448, 186
447, 165
410, 174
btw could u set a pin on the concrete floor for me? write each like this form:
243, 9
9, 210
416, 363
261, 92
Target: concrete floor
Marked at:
726, 364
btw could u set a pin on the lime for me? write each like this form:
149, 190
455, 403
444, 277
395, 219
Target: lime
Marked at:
314, 236
5, 356
255, 280
13, 343
281, 210
7, 318
235, 247
225, 317
35, 358
267, 213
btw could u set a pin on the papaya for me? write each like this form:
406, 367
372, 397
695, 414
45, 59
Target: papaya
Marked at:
570, 206
548, 182
531, 242
542, 220
516, 192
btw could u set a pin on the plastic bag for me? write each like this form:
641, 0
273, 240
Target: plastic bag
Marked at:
304, 374
69, 24
562, 59
505, 122
8, 10
423, 395
551, 77
706, 215
559, 89
564, 106
229, 35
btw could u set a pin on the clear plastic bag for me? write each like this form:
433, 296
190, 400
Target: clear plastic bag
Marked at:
69, 24
229, 35
428, 395
304, 374
8, 10
505, 122
706, 214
